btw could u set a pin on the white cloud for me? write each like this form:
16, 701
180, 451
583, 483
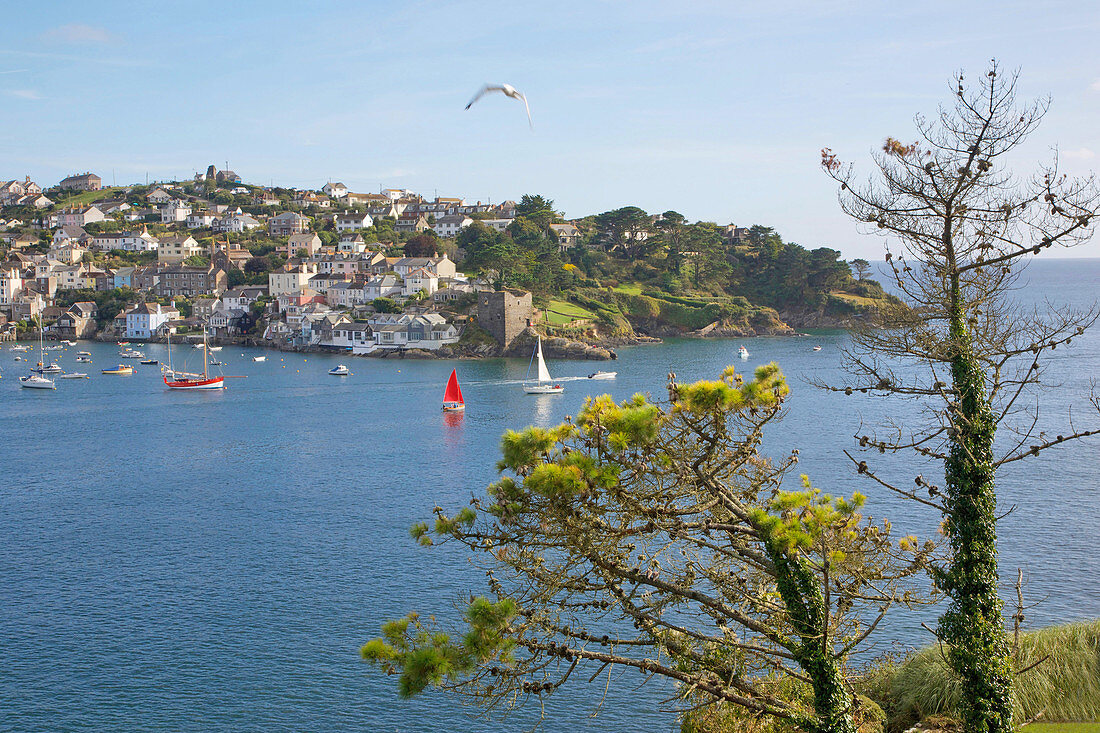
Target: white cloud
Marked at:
78, 33
1079, 154
25, 93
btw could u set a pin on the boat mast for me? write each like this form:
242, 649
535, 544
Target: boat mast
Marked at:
205, 354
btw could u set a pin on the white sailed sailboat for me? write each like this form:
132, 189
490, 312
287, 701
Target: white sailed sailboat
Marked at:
544, 384
37, 381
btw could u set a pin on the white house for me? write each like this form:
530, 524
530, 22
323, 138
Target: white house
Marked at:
158, 196
200, 219
419, 280
11, 283
141, 241
335, 190
350, 221
79, 217
175, 211
143, 320
177, 249
450, 225
235, 223
498, 224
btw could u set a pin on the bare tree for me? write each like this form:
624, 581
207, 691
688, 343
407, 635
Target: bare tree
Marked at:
654, 538
965, 224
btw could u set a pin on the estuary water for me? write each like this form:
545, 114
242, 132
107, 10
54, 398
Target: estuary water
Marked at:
212, 562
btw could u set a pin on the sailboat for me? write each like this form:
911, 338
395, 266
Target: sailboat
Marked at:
183, 380
452, 396
545, 384
37, 381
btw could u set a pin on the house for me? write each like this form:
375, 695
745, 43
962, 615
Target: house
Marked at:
451, 224
229, 257
439, 265
202, 308
71, 234
200, 219
80, 216
322, 281
287, 223
406, 331
68, 252
349, 334
335, 190
188, 281
420, 280
454, 291
11, 284
243, 297
178, 248
568, 236
123, 277
81, 182
158, 196
78, 322
346, 294
235, 223
350, 221
144, 278
290, 279
267, 198
309, 198
411, 223
175, 211
307, 241
228, 321
143, 320
23, 240
36, 200
113, 207
141, 241
380, 286
371, 199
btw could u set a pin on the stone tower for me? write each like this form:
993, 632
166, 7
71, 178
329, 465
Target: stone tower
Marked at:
504, 313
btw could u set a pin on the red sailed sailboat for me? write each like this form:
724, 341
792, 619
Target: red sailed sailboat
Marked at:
452, 398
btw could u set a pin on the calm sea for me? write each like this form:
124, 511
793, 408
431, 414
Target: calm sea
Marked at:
212, 562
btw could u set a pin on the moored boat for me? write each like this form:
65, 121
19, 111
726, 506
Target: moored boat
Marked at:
452, 396
259, 358
84, 359
72, 375
339, 371
602, 375
149, 362
122, 369
36, 381
184, 381
743, 353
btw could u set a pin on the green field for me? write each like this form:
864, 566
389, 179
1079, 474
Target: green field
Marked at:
87, 197
629, 289
560, 313
1062, 728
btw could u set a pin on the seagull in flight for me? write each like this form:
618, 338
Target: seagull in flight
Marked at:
507, 90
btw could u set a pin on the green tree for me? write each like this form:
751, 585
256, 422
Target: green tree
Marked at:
537, 209
385, 305
664, 518
861, 266
964, 222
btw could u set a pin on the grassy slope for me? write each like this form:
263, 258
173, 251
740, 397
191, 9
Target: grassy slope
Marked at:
559, 313
1063, 728
87, 197
1065, 686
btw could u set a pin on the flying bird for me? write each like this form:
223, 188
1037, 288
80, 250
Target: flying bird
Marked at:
507, 90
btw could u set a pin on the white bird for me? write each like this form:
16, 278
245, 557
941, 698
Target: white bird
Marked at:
507, 90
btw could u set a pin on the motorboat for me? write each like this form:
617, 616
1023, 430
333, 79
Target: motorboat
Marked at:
149, 362
72, 375
339, 371
67, 342
84, 359
259, 358
131, 354
817, 348
544, 384
215, 348
21, 348
122, 369
47, 368
602, 375
36, 381
743, 353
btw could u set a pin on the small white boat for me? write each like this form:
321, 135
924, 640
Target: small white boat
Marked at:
69, 343
545, 384
215, 348
602, 375
19, 358
84, 359
339, 371
131, 354
83, 353
743, 353
259, 358
817, 348
21, 348
73, 375
47, 369
36, 381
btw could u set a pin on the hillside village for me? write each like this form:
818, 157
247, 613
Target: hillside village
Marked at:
365, 272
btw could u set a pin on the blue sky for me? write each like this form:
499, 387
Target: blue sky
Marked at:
715, 109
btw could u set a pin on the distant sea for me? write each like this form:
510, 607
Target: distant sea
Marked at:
212, 562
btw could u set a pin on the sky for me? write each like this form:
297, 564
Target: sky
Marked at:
717, 110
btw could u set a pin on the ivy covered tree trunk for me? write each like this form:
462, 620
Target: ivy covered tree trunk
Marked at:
798, 586
973, 626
